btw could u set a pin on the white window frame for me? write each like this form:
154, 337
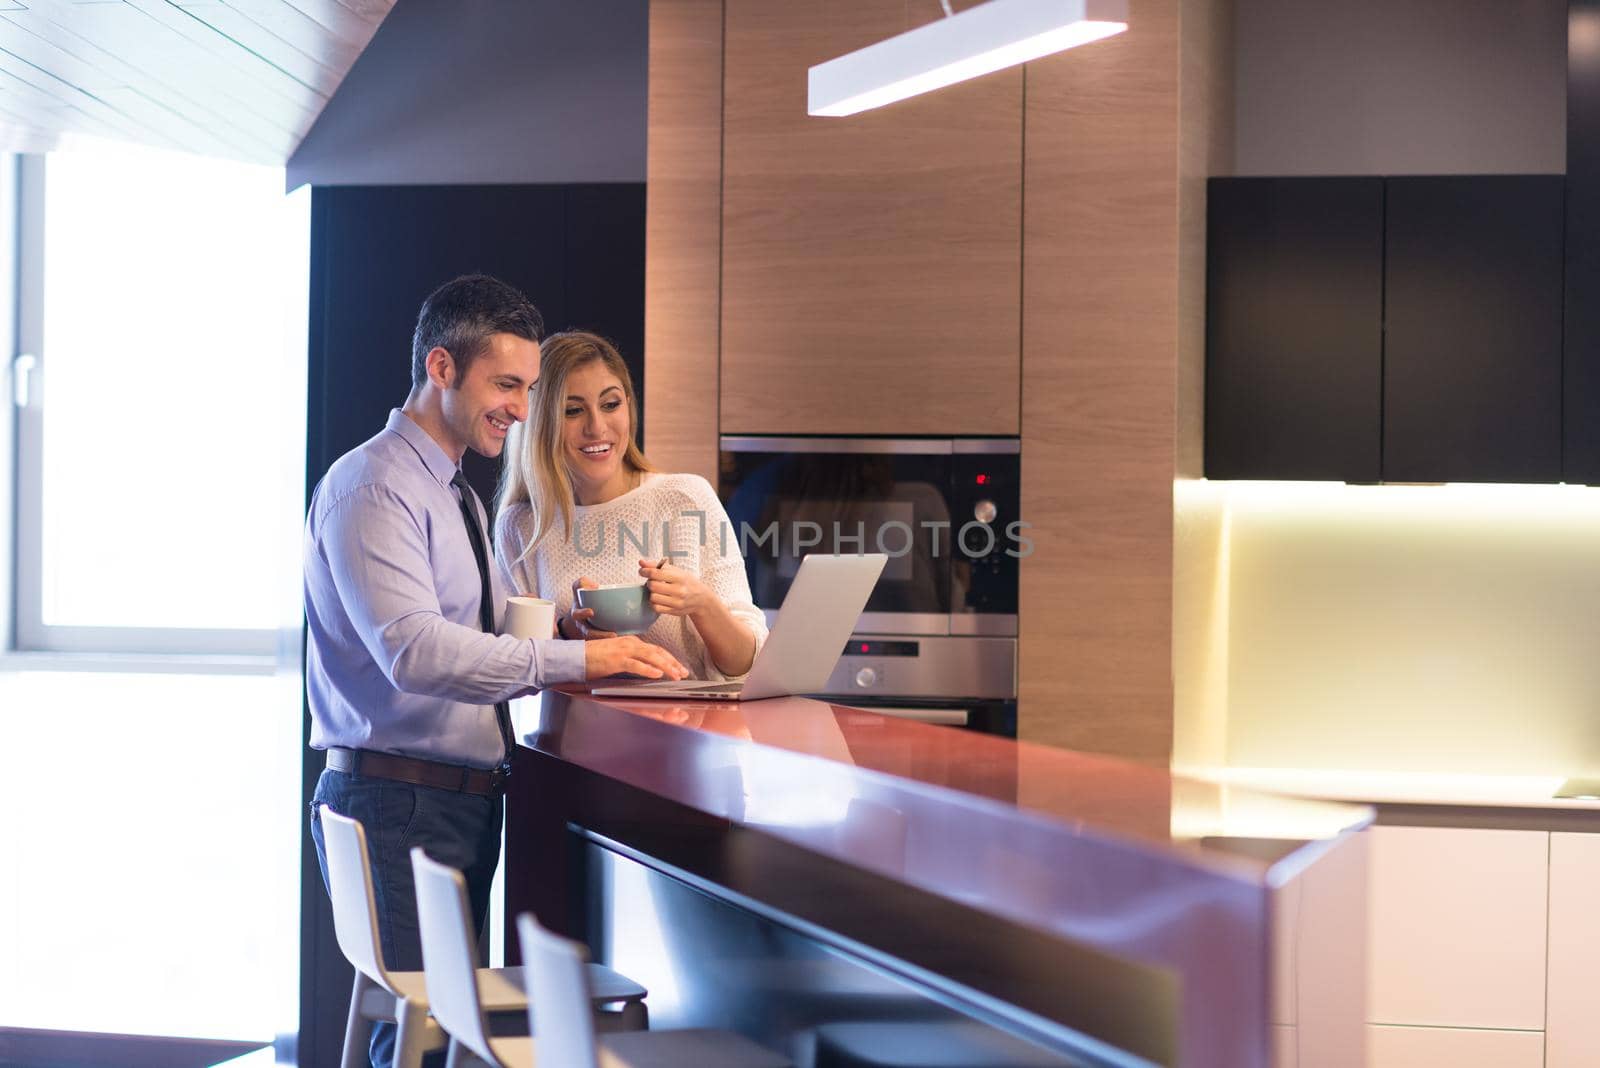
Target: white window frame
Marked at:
9, 505
193, 648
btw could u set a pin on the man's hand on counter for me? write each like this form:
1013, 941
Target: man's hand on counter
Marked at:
614, 656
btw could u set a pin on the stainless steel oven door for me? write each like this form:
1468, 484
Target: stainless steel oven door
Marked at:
790, 496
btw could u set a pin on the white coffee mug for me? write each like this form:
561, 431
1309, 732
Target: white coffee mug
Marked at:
530, 617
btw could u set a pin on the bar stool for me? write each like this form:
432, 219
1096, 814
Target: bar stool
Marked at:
400, 997
560, 984
557, 984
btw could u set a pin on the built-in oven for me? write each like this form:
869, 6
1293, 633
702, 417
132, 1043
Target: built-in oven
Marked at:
938, 637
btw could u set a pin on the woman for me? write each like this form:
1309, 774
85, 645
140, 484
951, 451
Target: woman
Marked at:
579, 505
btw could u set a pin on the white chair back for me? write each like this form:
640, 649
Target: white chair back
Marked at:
449, 957
355, 912
559, 1006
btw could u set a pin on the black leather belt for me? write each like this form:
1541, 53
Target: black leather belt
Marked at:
484, 782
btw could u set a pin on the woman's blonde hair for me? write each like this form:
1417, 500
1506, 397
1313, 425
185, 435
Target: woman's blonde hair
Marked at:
535, 471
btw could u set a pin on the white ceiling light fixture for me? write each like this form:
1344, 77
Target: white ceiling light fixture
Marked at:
980, 40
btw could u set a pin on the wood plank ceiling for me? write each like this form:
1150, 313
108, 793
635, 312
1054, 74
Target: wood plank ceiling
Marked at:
239, 79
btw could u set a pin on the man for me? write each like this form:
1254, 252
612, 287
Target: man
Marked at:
407, 691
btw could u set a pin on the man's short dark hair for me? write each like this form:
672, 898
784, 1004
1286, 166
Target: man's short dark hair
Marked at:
460, 316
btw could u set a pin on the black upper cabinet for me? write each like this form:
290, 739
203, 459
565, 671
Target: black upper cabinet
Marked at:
1580, 421
1401, 329
1472, 338
1294, 321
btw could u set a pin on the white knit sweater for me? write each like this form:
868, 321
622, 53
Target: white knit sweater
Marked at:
664, 512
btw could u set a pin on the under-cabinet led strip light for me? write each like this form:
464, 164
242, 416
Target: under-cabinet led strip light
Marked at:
982, 39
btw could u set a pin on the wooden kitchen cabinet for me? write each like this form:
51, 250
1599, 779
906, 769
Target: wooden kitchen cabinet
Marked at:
1472, 335
871, 266
1294, 328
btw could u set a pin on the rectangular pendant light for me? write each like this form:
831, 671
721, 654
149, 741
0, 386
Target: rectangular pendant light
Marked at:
982, 39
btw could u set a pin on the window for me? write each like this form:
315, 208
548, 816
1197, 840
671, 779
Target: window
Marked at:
150, 710
152, 853
163, 434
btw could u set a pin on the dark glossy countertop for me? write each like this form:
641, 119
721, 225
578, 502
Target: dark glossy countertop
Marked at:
971, 816
1124, 859
802, 762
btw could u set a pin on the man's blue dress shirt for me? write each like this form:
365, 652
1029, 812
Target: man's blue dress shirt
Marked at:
396, 661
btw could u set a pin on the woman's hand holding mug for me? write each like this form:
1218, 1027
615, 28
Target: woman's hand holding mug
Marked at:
674, 591
576, 625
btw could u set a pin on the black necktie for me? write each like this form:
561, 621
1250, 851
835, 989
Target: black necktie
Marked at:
469, 513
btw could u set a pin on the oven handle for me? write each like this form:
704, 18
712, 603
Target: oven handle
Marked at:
903, 446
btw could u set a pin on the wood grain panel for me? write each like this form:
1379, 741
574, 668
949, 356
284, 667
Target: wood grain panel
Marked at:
870, 263
1099, 390
682, 235
1205, 148
1199, 577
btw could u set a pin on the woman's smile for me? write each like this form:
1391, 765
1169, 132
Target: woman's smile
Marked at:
596, 433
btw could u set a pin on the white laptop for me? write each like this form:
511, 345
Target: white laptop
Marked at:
819, 614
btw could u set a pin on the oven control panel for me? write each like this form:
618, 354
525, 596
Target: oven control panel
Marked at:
985, 502
868, 675
966, 668
882, 647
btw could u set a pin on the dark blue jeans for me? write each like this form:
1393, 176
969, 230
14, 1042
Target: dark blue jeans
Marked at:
461, 830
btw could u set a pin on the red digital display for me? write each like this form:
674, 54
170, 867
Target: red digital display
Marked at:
877, 647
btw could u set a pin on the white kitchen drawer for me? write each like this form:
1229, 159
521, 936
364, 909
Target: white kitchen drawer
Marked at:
1452, 1047
1458, 922
1572, 1027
